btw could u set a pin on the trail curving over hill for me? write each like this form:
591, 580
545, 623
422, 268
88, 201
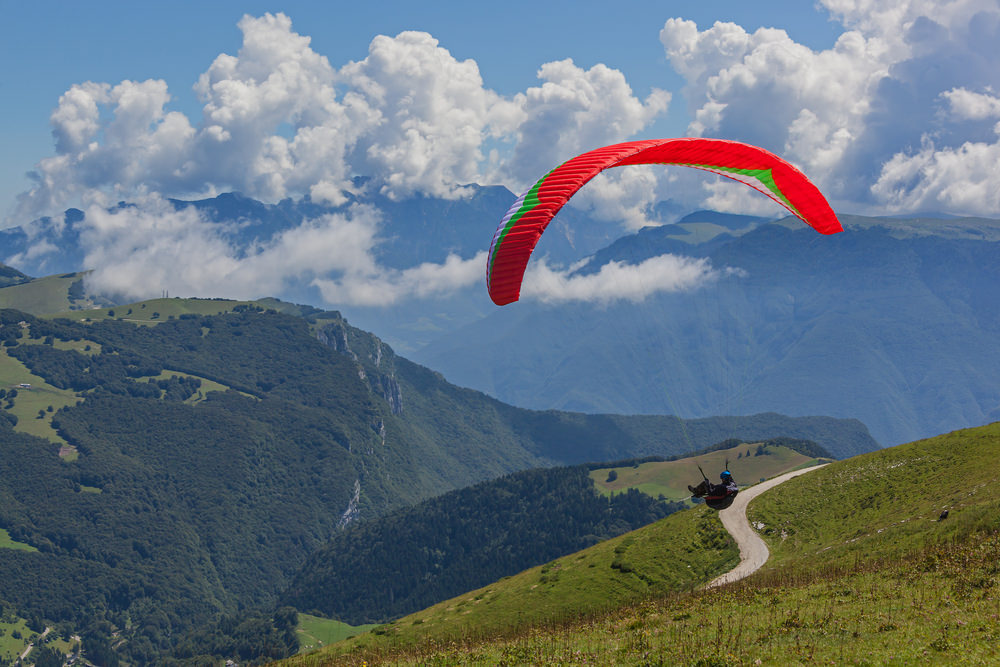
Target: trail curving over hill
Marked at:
753, 550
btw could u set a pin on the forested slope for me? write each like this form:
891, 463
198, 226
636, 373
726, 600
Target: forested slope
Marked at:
445, 546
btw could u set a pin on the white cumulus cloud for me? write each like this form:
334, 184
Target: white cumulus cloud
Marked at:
576, 110
140, 251
962, 178
279, 120
966, 104
616, 281
901, 102
385, 287
433, 115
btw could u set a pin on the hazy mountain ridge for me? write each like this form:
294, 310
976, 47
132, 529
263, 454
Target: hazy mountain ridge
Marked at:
11, 276
892, 325
411, 232
895, 315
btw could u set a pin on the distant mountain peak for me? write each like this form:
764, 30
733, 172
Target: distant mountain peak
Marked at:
728, 220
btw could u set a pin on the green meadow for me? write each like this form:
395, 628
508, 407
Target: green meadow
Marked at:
865, 570
207, 386
14, 638
33, 407
7, 543
671, 478
43, 295
315, 632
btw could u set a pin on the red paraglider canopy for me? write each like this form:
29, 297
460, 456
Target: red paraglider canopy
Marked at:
524, 222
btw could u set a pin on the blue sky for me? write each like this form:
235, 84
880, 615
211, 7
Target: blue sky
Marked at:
891, 108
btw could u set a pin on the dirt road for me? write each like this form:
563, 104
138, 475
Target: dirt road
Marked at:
753, 551
27, 649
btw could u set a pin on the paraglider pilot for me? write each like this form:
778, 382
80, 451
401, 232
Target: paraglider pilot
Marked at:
717, 496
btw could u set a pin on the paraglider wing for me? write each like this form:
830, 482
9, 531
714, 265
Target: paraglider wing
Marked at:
524, 222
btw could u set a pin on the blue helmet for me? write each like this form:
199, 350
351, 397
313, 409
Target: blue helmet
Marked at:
726, 476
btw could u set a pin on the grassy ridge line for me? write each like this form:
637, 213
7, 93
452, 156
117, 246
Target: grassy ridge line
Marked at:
884, 503
42, 295
142, 312
674, 554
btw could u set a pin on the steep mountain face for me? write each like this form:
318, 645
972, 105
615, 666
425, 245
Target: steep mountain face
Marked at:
422, 398
891, 322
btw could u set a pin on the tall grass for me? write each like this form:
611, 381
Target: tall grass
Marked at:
937, 606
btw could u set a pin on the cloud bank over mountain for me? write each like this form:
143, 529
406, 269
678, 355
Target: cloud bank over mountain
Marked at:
139, 251
902, 113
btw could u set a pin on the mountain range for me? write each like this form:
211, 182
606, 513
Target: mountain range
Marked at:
893, 322
890, 322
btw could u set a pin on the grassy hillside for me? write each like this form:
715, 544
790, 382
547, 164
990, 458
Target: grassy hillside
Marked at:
314, 632
151, 311
863, 571
886, 504
50, 294
749, 464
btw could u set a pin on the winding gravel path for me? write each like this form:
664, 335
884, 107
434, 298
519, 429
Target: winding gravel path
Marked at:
753, 551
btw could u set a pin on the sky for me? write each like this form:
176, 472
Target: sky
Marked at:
889, 107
